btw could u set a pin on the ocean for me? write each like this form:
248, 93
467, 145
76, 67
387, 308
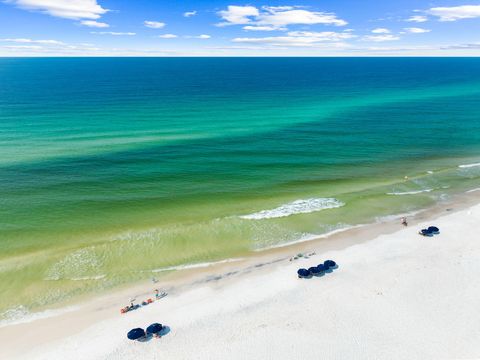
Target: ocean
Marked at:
114, 170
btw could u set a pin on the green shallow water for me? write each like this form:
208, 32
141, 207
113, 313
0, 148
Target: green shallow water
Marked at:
111, 169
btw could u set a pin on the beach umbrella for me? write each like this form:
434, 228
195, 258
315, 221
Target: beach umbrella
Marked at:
314, 270
433, 229
136, 334
154, 328
321, 268
329, 264
426, 232
303, 273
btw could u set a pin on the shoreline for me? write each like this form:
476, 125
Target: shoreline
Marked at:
88, 311
91, 263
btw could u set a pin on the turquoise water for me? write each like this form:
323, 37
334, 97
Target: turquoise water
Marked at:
113, 169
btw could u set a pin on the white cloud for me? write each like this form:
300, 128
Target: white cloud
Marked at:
298, 16
30, 41
93, 23
380, 38
417, 18
68, 9
241, 47
300, 39
203, 36
276, 17
279, 8
455, 13
415, 30
28, 47
381, 31
262, 28
392, 50
23, 47
324, 35
114, 33
289, 41
167, 36
190, 13
235, 15
154, 24
259, 49
473, 46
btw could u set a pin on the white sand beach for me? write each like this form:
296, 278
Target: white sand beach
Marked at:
395, 296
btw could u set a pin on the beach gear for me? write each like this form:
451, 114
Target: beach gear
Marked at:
329, 264
158, 296
425, 232
136, 334
434, 230
317, 270
154, 328
321, 268
303, 273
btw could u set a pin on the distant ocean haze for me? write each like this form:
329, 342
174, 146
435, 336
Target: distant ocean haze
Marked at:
112, 168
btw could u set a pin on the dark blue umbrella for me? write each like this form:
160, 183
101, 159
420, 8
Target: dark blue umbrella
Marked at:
426, 232
321, 268
329, 264
434, 230
154, 328
136, 334
314, 270
303, 273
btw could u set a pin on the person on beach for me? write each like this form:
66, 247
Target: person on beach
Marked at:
159, 295
404, 221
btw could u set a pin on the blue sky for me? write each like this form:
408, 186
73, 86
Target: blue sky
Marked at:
225, 28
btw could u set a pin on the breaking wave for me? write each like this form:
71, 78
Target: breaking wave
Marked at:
469, 165
81, 264
473, 190
196, 266
296, 207
410, 192
309, 237
21, 315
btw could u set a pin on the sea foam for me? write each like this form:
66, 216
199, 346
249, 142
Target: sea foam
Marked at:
410, 192
473, 190
21, 315
469, 165
296, 207
196, 266
309, 237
